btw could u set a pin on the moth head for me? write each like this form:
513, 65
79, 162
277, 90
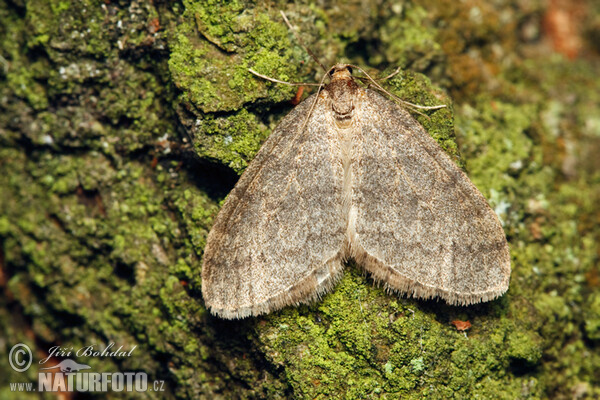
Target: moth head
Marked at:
340, 72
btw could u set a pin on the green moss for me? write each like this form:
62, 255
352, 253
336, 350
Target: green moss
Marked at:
24, 84
592, 317
242, 140
359, 341
407, 38
23, 78
75, 209
213, 74
525, 347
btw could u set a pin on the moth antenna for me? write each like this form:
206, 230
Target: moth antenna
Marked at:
396, 72
268, 78
363, 79
398, 99
314, 57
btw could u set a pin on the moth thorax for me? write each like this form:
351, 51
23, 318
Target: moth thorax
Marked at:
342, 92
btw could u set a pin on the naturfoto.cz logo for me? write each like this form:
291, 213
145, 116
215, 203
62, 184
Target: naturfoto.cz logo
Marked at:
70, 376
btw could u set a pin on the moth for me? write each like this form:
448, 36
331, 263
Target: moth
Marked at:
349, 174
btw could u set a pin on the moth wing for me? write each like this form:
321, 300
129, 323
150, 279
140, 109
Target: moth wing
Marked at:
278, 238
421, 226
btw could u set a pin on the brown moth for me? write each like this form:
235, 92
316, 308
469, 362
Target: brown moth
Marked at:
350, 174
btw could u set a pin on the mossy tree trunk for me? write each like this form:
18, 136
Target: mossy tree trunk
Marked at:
124, 124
